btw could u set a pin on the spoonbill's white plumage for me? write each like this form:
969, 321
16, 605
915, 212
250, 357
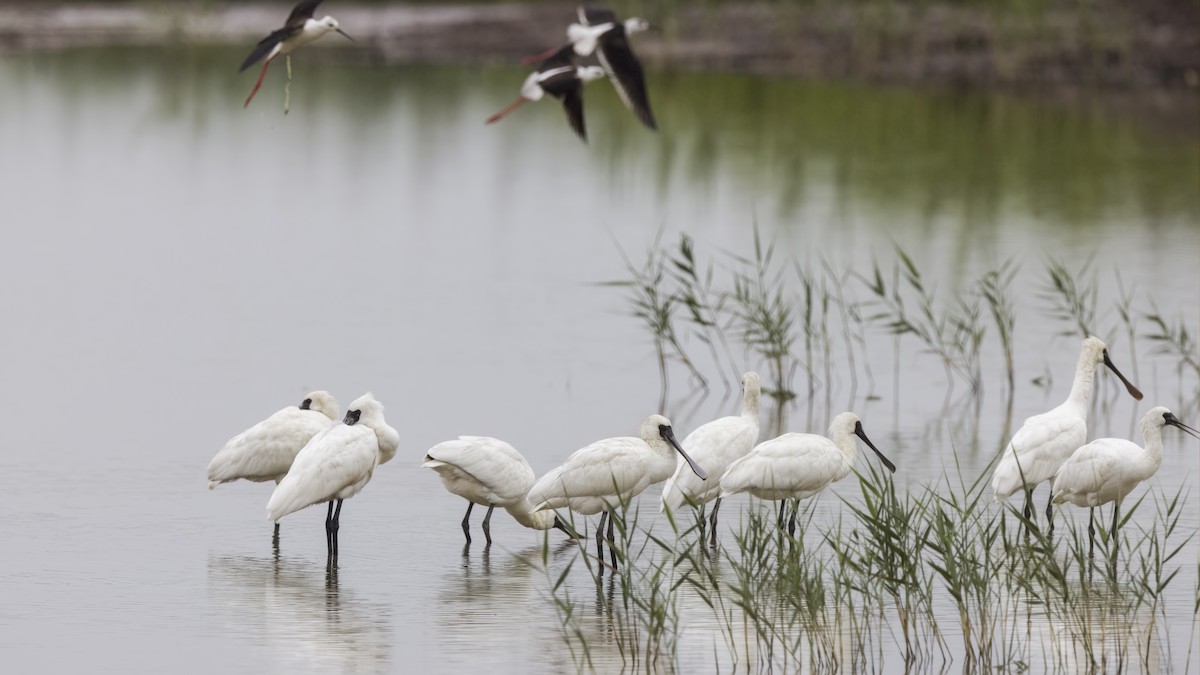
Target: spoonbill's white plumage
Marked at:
599, 31
715, 446
559, 77
1107, 469
266, 450
798, 466
1045, 441
300, 29
489, 472
605, 474
336, 464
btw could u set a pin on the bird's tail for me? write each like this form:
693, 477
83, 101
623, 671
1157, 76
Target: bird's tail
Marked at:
507, 109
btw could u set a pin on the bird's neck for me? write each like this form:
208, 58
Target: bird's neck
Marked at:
1081, 387
1152, 434
524, 514
845, 441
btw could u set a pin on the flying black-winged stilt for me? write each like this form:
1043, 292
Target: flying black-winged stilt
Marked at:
600, 31
300, 29
558, 76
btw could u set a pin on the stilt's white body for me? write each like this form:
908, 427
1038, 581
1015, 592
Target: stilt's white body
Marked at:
489, 472
337, 462
266, 450
313, 30
1107, 469
1045, 441
715, 446
795, 466
600, 476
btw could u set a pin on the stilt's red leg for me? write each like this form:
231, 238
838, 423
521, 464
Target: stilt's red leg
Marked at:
538, 58
259, 83
509, 108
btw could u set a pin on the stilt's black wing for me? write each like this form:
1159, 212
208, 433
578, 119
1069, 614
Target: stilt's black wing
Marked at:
573, 105
568, 88
301, 13
626, 73
565, 56
594, 15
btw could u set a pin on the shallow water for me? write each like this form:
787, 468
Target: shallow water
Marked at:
177, 268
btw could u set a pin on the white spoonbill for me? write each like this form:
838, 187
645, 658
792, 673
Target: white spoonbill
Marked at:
300, 29
559, 77
608, 473
1045, 441
266, 450
1107, 469
715, 446
489, 472
600, 32
335, 465
798, 466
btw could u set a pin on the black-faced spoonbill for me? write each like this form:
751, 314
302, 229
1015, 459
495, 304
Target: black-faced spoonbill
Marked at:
335, 465
300, 29
1045, 441
1107, 469
715, 446
608, 473
559, 77
798, 466
600, 31
489, 472
266, 450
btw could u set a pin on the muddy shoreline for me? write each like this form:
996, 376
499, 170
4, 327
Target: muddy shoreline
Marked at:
1109, 47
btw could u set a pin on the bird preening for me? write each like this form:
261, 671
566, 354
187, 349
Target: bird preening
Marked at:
299, 29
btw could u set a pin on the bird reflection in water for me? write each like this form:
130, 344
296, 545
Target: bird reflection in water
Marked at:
300, 614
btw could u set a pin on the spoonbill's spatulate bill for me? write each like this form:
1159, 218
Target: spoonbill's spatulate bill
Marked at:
1107, 469
798, 466
489, 472
300, 29
1045, 441
335, 465
599, 31
604, 475
559, 77
714, 446
266, 450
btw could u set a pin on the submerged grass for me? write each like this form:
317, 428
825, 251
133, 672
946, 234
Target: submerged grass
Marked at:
935, 577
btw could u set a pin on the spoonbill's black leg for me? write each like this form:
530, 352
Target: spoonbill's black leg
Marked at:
712, 520
329, 530
612, 551
466, 522
487, 524
600, 540
337, 516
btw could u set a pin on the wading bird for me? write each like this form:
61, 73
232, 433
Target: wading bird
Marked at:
266, 450
1045, 441
335, 465
1107, 469
559, 77
798, 466
600, 32
300, 29
489, 472
715, 446
608, 473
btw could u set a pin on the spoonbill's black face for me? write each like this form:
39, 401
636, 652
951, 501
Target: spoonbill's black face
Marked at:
307, 404
352, 417
1171, 419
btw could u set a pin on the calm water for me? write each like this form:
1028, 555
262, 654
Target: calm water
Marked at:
176, 268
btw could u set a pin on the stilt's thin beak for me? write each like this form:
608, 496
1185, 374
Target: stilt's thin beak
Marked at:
667, 433
858, 431
344, 34
1133, 391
